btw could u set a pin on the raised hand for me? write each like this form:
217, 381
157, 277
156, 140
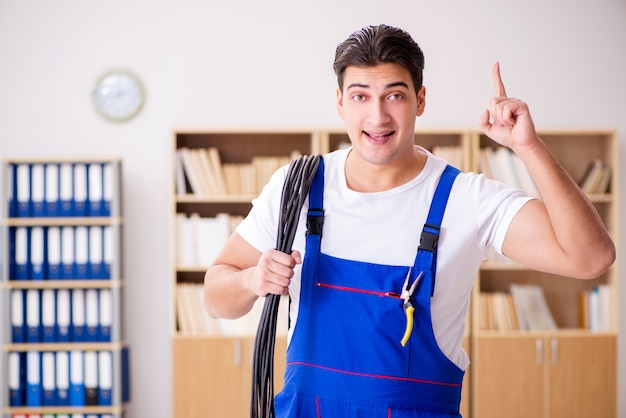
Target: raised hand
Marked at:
508, 120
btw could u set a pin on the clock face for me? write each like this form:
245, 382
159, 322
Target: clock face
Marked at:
118, 95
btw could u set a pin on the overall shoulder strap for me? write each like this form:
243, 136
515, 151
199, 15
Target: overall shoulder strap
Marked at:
427, 250
315, 214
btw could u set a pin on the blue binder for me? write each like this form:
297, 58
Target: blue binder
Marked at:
63, 315
48, 378
22, 262
78, 316
96, 189
18, 329
37, 253
96, 253
48, 316
51, 200
80, 190
16, 383
66, 190
105, 378
105, 307
68, 261
37, 191
107, 246
108, 188
33, 379
11, 185
22, 180
77, 385
125, 374
33, 316
92, 320
53, 253
81, 252
62, 378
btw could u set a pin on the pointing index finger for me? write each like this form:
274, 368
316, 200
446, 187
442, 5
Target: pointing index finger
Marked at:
497, 81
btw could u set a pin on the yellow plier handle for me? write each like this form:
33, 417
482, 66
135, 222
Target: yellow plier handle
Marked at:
408, 311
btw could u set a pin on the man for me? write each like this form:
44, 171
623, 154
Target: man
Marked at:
356, 347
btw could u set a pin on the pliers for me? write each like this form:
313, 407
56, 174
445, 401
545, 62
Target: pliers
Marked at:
407, 293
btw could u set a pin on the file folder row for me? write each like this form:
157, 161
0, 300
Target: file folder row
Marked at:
61, 315
60, 189
64, 378
61, 252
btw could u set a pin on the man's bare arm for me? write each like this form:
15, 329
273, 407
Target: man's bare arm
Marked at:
562, 233
241, 274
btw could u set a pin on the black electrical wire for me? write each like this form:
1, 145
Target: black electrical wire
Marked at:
295, 190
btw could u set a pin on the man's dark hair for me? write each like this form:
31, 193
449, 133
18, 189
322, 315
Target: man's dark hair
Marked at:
382, 44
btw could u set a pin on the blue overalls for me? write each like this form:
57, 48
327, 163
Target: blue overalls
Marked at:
345, 359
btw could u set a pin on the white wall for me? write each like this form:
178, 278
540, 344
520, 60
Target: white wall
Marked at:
268, 63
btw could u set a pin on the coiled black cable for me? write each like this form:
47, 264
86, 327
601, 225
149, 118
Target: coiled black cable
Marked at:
295, 190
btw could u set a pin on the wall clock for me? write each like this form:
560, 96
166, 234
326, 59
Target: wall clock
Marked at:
118, 95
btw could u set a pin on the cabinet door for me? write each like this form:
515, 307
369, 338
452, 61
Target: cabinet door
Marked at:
213, 376
582, 377
208, 377
507, 376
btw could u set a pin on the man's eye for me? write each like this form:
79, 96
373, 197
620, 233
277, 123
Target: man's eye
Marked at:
396, 96
358, 97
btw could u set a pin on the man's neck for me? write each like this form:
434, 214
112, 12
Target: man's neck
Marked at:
365, 177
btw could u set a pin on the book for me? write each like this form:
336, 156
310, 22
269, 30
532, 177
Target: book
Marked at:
531, 307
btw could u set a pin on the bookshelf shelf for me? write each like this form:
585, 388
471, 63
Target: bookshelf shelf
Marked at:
60, 229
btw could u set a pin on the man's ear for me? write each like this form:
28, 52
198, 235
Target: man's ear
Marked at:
421, 101
339, 103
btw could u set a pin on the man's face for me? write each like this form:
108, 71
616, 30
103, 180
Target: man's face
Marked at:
379, 106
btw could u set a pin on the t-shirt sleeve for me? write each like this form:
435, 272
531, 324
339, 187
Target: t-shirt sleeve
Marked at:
497, 206
259, 227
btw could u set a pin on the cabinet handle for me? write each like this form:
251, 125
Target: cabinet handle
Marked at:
539, 351
554, 347
237, 352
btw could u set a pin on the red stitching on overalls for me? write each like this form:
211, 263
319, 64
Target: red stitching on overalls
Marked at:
357, 290
375, 376
317, 407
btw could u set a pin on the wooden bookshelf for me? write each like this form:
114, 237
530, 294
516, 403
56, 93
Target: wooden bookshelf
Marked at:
494, 354
569, 371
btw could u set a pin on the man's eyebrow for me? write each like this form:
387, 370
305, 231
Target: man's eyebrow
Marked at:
388, 86
397, 84
357, 85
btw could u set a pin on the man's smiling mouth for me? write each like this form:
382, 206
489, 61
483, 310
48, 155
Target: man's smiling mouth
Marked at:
379, 136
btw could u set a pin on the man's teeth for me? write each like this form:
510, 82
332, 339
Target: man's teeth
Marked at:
379, 136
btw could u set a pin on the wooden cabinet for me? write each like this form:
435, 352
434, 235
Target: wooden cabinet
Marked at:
61, 259
564, 372
212, 375
550, 376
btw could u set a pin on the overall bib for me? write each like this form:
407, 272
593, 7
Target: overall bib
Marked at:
345, 359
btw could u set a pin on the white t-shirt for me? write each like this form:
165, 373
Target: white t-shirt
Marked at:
384, 228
